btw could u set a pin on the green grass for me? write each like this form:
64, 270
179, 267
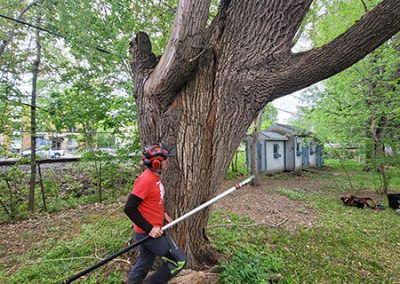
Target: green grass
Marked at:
346, 245
292, 194
250, 259
360, 179
53, 260
350, 245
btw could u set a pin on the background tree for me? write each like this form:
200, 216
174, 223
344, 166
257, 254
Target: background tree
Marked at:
35, 74
270, 116
213, 79
254, 156
265, 118
84, 80
357, 106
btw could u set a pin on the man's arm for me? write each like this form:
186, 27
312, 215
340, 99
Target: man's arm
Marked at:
131, 209
167, 217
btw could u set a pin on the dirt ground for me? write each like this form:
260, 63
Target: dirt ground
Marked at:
266, 206
263, 204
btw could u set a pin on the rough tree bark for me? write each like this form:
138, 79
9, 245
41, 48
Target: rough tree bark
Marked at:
212, 81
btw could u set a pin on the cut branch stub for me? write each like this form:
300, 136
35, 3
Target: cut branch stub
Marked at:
142, 56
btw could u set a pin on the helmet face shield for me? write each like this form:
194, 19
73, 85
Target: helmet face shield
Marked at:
158, 150
168, 150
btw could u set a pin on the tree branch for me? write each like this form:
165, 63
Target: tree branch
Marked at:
372, 30
304, 69
364, 5
184, 44
11, 33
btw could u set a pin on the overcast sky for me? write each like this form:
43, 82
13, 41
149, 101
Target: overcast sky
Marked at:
285, 105
290, 103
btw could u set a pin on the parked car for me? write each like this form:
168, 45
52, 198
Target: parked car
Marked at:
56, 153
53, 154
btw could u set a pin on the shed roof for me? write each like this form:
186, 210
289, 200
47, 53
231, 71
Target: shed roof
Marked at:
285, 129
274, 136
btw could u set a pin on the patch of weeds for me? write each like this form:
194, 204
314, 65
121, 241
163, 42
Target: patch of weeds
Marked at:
51, 262
238, 167
229, 231
55, 205
250, 259
361, 180
250, 264
88, 199
292, 194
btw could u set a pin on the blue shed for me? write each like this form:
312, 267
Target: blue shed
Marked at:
302, 149
271, 151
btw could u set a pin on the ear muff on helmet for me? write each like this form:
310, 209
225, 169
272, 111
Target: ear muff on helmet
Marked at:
154, 163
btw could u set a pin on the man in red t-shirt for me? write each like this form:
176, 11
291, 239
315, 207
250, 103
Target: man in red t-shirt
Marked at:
145, 207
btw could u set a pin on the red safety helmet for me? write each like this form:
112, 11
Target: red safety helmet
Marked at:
153, 154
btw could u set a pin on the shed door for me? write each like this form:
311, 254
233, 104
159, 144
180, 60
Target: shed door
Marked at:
305, 155
259, 156
318, 153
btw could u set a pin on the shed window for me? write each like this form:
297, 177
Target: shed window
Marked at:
312, 148
276, 151
298, 149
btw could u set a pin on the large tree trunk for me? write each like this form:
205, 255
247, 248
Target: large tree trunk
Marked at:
212, 81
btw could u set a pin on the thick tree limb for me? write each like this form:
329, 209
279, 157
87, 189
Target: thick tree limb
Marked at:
260, 28
185, 43
305, 69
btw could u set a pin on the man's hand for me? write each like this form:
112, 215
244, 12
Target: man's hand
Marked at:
155, 232
167, 218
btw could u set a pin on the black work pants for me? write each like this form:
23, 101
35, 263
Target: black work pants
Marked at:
148, 250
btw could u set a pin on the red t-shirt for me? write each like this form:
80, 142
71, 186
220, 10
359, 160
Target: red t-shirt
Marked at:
149, 188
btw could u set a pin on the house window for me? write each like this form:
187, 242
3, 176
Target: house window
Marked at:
41, 142
56, 143
276, 151
298, 149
